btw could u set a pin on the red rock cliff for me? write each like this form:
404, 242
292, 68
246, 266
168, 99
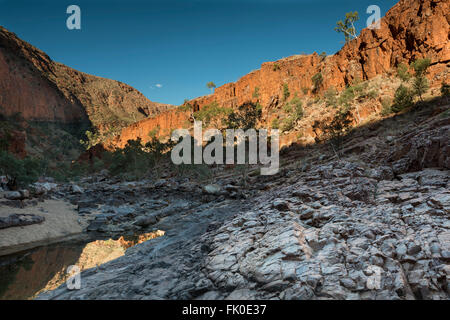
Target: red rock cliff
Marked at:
40, 89
411, 29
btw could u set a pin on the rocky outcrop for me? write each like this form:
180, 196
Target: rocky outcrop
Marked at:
423, 148
44, 90
338, 231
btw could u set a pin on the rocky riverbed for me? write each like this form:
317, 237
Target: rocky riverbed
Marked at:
373, 224
338, 231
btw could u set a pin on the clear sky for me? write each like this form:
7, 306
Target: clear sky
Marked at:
170, 49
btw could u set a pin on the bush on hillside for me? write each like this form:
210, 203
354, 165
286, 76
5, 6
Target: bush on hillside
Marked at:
403, 98
317, 81
445, 89
330, 97
403, 72
20, 172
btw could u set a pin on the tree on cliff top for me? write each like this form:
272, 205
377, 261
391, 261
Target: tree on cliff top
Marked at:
211, 85
347, 26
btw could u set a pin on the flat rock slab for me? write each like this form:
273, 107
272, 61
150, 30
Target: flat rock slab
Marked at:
18, 220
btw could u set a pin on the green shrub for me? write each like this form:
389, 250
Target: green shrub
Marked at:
347, 96
92, 139
359, 88
337, 128
276, 67
287, 108
212, 115
330, 97
317, 81
403, 72
373, 94
256, 93
403, 98
420, 66
287, 124
297, 107
286, 92
420, 86
20, 171
445, 89
185, 107
5, 138
245, 117
275, 123
386, 104
294, 111
136, 159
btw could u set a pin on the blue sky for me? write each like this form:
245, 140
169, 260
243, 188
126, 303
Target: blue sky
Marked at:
170, 49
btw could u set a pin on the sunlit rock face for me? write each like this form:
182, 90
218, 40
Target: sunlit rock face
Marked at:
410, 30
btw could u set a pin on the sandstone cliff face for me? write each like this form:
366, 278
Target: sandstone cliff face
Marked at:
25, 88
163, 123
412, 29
43, 90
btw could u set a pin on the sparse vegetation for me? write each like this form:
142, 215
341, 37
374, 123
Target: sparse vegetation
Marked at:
373, 94
403, 98
286, 92
337, 128
420, 86
256, 93
330, 97
185, 107
294, 111
403, 72
420, 66
245, 117
275, 123
276, 67
136, 159
347, 96
20, 172
445, 89
317, 81
212, 115
92, 139
287, 124
386, 104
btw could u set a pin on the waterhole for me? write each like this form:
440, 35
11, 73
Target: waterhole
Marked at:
24, 275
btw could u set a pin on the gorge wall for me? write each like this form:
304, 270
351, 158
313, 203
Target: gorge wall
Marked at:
44, 90
410, 30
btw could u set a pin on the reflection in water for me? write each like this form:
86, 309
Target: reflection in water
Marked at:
25, 275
